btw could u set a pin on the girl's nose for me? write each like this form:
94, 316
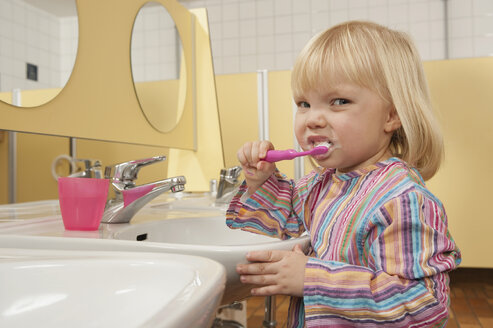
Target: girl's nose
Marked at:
315, 119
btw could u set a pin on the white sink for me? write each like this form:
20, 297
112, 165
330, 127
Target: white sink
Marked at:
208, 237
176, 223
55, 288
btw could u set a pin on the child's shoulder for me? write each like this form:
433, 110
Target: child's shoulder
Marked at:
404, 179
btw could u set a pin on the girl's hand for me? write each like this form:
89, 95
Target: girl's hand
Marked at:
255, 169
280, 272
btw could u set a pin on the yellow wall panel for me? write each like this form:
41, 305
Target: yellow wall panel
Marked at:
101, 89
203, 164
4, 151
237, 100
461, 92
35, 156
281, 116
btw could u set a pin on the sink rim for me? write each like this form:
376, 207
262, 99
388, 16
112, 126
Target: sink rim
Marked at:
210, 272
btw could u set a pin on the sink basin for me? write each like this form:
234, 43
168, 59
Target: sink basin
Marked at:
58, 288
208, 237
180, 223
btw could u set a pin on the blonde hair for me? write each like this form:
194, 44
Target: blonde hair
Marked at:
386, 62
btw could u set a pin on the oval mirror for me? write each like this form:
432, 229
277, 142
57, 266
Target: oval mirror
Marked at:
158, 67
38, 47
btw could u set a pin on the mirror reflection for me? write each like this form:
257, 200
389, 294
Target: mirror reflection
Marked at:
38, 47
158, 68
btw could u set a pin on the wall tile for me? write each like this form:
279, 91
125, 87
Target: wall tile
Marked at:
283, 7
459, 8
283, 24
320, 6
398, 14
265, 8
283, 43
265, 26
248, 63
482, 7
379, 14
320, 21
301, 23
248, 28
265, 45
338, 16
437, 50
248, 46
230, 12
461, 48
460, 27
483, 25
247, 10
483, 46
231, 29
359, 13
419, 12
301, 7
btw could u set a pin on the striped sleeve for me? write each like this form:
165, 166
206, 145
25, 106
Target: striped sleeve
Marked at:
404, 282
275, 209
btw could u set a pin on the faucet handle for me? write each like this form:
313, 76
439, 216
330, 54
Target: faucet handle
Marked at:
231, 174
92, 169
126, 172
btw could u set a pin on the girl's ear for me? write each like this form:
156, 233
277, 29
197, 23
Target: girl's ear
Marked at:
393, 121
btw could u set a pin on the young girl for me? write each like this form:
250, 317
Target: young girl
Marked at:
381, 247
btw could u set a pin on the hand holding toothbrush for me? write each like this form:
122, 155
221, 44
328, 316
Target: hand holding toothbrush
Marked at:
256, 170
257, 158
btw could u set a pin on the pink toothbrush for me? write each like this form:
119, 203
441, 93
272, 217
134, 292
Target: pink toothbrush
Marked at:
279, 155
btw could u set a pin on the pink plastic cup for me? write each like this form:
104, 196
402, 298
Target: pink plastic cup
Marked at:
82, 202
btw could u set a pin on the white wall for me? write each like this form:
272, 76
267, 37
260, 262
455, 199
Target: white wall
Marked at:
268, 34
246, 35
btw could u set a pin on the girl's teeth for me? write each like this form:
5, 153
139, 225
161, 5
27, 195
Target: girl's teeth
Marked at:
325, 144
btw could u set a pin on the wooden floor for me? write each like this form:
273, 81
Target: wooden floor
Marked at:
471, 302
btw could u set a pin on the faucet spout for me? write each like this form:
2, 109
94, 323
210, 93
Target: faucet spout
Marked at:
129, 199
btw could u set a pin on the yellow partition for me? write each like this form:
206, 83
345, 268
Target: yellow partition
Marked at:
99, 100
281, 116
35, 156
4, 150
461, 92
204, 164
237, 100
238, 108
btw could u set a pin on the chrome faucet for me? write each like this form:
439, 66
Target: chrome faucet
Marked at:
228, 182
129, 198
91, 169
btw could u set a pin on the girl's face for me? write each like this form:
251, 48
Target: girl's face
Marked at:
355, 120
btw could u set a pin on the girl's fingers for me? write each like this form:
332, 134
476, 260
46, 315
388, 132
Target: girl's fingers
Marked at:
258, 279
256, 268
266, 291
264, 256
264, 147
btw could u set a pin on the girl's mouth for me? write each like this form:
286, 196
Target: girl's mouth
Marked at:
320, 143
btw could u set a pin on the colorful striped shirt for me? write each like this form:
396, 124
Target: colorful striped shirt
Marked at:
381, 246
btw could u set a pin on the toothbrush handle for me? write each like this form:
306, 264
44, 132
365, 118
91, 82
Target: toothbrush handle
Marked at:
279, 155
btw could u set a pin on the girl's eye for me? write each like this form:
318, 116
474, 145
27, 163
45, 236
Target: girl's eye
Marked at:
340, 101
303, 104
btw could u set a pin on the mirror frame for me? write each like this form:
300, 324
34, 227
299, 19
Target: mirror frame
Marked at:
99, 101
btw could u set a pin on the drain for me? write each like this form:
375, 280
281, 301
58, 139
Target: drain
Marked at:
141, 237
